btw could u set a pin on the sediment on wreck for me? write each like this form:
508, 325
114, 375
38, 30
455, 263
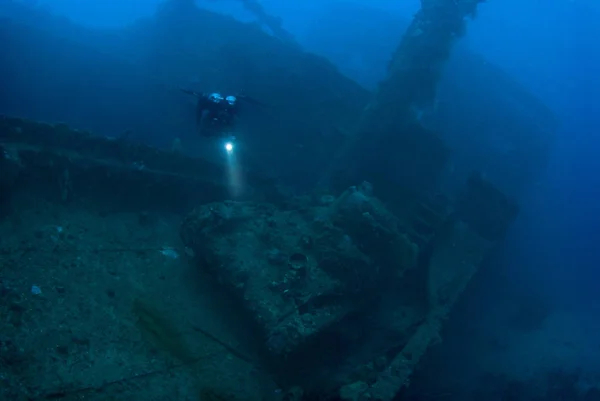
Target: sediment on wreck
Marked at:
346, 296
303, 275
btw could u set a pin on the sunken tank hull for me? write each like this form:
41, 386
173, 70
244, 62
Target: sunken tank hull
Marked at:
299, 273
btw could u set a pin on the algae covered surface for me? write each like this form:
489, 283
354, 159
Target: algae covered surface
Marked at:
92, 308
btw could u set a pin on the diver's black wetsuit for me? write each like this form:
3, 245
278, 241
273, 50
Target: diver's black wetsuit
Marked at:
215, 115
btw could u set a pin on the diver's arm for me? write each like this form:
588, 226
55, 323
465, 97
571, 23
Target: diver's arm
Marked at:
190, 92
251, 100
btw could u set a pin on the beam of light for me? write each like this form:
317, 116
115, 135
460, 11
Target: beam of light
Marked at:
233, 171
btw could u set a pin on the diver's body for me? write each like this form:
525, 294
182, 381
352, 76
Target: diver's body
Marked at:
215, 114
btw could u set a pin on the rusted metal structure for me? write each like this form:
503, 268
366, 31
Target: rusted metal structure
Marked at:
347, 288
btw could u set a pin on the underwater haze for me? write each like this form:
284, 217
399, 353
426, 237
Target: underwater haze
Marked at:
300, 200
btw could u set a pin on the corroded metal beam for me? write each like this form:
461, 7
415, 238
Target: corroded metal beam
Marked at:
72, 159
385, 139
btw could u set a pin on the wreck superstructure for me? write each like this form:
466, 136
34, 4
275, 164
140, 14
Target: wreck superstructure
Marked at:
348, 286
506, 132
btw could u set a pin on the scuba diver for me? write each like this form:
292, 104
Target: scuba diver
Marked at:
215, 115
